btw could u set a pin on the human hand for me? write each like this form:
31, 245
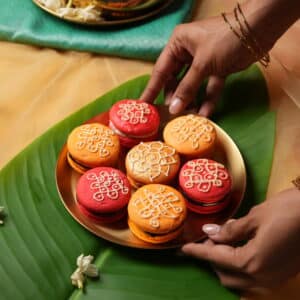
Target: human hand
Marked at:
210, 48
271, 253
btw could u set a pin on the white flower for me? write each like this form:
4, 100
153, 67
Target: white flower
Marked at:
1, 213
86, 13
64, 9
85, 267
53, 4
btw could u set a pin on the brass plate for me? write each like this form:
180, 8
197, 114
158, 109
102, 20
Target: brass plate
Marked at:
146, 5
226, 153
113, 22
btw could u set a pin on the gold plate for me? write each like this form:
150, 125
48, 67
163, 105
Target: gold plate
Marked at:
113, 22
226, 153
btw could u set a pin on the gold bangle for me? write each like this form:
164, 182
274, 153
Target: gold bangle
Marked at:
246, 36
296, 182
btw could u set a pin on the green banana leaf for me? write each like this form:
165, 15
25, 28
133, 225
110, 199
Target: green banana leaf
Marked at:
40, 241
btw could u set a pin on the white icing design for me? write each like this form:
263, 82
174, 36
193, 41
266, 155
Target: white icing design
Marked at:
193, 128
95, 139
152, 159
108, 184
154, 205
204, 175
134, 112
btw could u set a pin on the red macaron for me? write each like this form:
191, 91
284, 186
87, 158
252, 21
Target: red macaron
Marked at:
134, 121
207, 185
103, 194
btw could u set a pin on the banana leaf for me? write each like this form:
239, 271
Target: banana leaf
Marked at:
40, 241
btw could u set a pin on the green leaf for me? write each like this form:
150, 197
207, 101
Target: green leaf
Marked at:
40, 241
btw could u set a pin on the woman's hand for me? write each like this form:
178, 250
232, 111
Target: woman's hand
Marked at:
210, 48
272, 250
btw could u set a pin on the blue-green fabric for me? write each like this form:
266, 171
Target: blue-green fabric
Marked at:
23, 22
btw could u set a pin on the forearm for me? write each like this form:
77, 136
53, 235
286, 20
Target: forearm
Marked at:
269, 19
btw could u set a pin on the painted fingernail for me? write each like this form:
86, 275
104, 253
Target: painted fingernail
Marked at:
211, 229
176, 106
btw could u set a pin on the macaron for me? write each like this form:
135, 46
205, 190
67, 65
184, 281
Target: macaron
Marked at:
152, 162
102, 194
191, 135
92, 145
134, 121
156, 213
206, 184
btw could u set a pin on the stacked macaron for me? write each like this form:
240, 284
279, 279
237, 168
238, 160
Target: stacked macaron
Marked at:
207, 185
134, 121
103, 194
156, 213
92, 145
152, 162
192, 136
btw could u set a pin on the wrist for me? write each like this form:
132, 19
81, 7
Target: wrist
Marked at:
269, 19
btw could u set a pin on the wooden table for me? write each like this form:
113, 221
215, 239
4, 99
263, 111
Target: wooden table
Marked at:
39, 87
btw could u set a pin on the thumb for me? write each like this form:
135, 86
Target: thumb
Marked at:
232, 231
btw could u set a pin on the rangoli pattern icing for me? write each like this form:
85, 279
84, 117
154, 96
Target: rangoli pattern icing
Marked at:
204, 175
158, 204
95, 139
152, 159
192, 128
134, 112
107, 184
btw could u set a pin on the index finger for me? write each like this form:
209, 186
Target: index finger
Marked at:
166, 67
220, 255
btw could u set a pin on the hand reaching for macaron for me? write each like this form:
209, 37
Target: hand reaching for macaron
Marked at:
271, 253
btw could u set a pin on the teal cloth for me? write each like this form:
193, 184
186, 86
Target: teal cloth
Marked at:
23, 22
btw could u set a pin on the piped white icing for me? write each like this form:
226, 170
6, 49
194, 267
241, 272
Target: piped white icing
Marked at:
192, 128
152, 159
134, 112
95, 139
158, 204
204, 175
107, 184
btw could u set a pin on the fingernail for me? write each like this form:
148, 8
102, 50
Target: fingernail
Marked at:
176, 106
211, 229
230, 221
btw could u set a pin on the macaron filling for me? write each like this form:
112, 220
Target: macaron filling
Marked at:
100, 216
119, 132
81, 165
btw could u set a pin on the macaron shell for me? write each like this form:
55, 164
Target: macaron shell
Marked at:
94, 145
205, 180
158, 239
191, 135
135, 118
152, 162
208, 209
103, 190
109, 218
157, 208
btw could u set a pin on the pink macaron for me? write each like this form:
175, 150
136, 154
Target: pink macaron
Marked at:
103, 194
134, 121
207, 185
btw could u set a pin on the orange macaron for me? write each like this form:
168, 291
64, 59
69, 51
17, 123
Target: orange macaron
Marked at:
156, 213
191, 135
152, 162
92, 145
